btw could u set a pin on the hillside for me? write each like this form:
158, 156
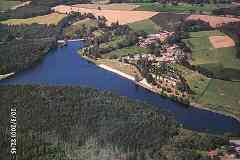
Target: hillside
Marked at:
82, 123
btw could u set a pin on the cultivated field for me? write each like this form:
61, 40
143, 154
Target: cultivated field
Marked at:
214, 21
221, 41
123, 17
113, 6
52, 18
180, 8
222, 62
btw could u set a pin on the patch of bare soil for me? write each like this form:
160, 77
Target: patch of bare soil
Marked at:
221, 41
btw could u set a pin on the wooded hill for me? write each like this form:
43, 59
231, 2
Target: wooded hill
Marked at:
24, 45
82, 123
36, 8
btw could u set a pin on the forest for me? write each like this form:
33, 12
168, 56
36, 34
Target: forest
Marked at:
36, 8
23, 45
83, 123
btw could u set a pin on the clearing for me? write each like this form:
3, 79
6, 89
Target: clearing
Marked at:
52, 18
123, 17
221, 41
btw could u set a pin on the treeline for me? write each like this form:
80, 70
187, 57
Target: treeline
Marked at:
82, 123
234, 10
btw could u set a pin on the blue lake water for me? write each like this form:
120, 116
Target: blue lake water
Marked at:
63, 66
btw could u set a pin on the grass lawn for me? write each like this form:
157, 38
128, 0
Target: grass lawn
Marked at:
182, 7
145, 25
126, 51
196, 81
222, 96
215, 94
113, 44
5, 4
222, 62
52, 18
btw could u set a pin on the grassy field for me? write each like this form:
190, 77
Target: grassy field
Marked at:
168, 21
163, 21
223, 62
218, 95
145, 25
126, 51
5, 4
75, 27
197, 82
178, 8
52, 18
215, 94
222, 96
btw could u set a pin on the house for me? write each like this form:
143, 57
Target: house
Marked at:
153, 38
212, 153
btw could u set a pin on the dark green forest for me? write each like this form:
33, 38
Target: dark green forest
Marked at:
24, 45
82, 123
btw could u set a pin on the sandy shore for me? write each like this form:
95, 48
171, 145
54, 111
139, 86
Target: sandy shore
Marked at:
3, 76
117, 72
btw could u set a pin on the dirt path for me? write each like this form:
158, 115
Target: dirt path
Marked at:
123, 17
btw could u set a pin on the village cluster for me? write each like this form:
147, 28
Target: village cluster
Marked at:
165, 78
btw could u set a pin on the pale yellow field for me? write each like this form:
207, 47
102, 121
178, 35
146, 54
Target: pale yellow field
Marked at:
52, 18
123, 17
114, 6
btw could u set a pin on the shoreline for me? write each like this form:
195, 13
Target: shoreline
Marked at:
141, 84
4, 76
